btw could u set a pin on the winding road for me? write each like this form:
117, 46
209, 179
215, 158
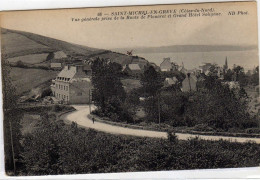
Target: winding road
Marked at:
82, 111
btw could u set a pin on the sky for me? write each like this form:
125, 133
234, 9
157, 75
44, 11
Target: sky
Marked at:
218, 30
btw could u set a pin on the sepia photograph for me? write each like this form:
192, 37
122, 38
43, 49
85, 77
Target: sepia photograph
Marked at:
130, 89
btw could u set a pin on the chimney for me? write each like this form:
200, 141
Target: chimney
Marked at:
79, 68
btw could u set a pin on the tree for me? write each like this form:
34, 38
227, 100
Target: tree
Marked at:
108, 92
132, 101
20, 64
50, 56
12, 116
228, 75
255, 76
240, 75
152, 83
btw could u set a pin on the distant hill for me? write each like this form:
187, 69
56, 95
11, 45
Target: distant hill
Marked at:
25, 46
33, 50
18, 43
187, 48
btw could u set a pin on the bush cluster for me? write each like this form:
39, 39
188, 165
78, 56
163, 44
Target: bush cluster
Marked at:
56, 148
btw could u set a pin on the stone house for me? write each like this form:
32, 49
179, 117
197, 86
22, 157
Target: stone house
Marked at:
72, 85
166, 65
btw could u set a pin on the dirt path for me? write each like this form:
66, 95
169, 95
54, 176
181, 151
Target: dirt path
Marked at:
82, 111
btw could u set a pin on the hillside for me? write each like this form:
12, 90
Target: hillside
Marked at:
26, 79
19, 45
33, 50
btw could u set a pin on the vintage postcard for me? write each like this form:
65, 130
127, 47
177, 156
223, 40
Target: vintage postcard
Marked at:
127, 89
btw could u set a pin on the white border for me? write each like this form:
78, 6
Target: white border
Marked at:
7, 5
235, 173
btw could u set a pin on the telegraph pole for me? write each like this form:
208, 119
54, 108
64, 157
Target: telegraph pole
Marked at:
188, 74
89, 101
12, 144
159, 109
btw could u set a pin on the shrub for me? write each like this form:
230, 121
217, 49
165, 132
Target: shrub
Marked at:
253, 130
57, 108
202, 127
55, 148
171, 136
20, 64
46, 92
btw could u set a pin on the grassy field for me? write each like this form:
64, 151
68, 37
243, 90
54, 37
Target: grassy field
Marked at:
13, 43
27, 79
30, 59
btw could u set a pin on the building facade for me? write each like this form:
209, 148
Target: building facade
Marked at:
166, 65
189, 83
72, 85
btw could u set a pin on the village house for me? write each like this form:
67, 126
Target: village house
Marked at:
56, 65
56, 61
204, 68
132, 70
167, 65
72, 85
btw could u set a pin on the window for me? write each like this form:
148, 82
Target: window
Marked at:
67, 88
64, 88
56, 85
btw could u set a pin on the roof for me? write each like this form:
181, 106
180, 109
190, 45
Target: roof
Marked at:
56, 65
71, 72
67, 73
166, 63
59, 55
134, 66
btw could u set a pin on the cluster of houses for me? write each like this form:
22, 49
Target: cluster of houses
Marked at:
192, 77
73, 83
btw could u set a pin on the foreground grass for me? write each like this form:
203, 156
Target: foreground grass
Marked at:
56, 148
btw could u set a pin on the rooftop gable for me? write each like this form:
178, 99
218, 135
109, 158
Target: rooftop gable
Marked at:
72, 72
59, 55
134, 67
166, 63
